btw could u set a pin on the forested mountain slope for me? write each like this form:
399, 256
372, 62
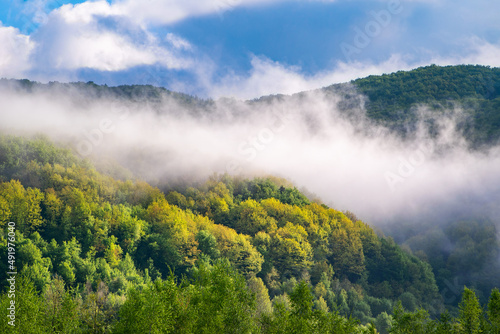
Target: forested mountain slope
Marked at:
102, 251
78, 227
393, 98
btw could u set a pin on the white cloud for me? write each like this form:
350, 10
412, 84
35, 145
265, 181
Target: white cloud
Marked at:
101, 51
84, 12
178, 42
14, 52
169, 11
94, 34
269, 77
115, 37
75, 36
478, 51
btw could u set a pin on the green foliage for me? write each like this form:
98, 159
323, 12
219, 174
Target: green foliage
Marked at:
460, 252
493, 311
155, 309
298, 316
216, 301
207, 244
393, 98
61, 310
383, 322
470, 313
263, 303
29, 309
417, 322
93, 251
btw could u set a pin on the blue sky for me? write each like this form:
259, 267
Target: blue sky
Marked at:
240, 48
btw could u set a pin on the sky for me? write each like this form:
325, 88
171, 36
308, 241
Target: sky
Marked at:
240, 48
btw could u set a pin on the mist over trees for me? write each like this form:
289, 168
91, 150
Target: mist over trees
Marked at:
99, 250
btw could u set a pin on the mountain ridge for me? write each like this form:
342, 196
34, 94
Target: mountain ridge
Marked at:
392, 100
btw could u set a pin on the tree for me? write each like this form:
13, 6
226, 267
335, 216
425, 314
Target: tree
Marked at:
61, 311
494, 311
383, 322
29, 309
249, 217
445, 324
470, 312
113, 252
346, 252
291, 252
96, 312
410, 322
34, 266
23, 205
208, 244
263, 303
4, 212
221, 301
155, 309
301, 298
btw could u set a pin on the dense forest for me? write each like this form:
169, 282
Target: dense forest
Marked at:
96, 255
393, 99
102, 251
464, 248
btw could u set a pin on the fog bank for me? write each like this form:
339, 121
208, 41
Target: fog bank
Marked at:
310, 138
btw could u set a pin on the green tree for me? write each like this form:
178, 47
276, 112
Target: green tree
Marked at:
445, 324
208, 244
291, 251
470, 312
96, 313
493, 311
301, 319
155, 309
383, 322
29, 309
4, 212
61, 310
404, 322
263, 303
249, 217
221, 301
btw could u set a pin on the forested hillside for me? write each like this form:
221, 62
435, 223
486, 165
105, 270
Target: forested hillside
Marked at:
462, 248
99, 250
95, 254
79, 91
393, 98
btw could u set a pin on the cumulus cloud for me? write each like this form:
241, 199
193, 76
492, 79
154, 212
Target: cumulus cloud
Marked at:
14, 52
477, 51
166, 12
270, 77
88, 35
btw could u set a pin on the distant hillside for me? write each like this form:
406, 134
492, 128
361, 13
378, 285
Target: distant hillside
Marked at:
258, 254
135, 93
392, 98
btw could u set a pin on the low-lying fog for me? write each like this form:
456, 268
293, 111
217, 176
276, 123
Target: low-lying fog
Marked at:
344, 159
